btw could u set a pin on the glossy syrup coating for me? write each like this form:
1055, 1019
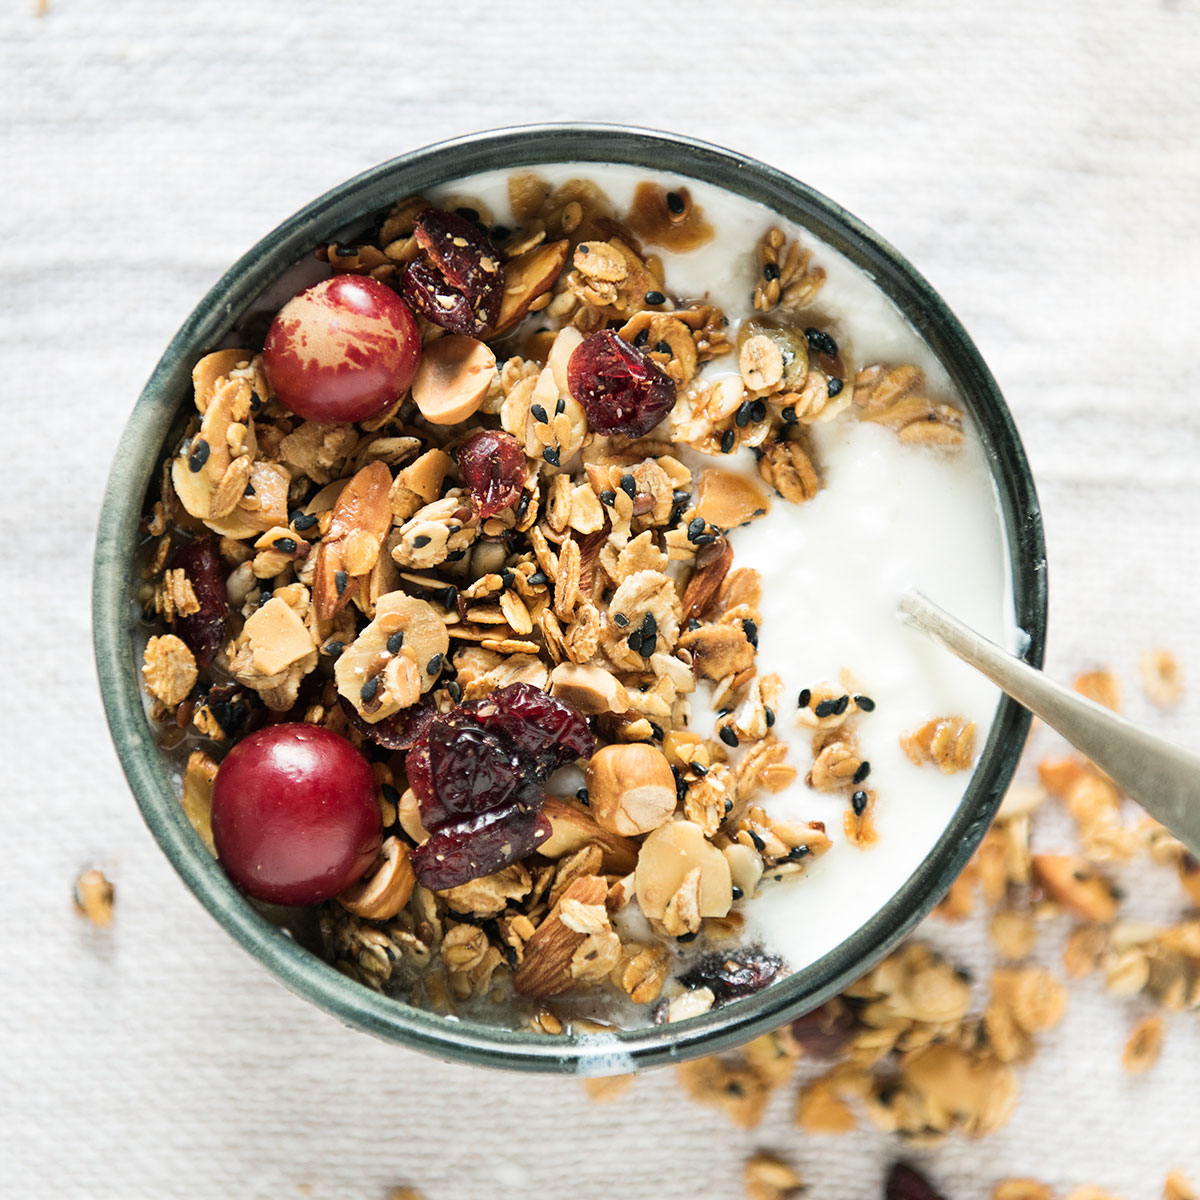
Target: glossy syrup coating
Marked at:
295, 817
344, 349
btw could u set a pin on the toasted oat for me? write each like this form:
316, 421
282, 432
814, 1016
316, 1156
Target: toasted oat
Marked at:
1013, 933
786, 277
1177, 1187
94, 896
820, 1109
894, 396
1102, 687
768, 1177
1144, 1045
1162, 677
606, 1089
169, 669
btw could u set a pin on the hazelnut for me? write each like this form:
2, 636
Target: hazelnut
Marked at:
631, 788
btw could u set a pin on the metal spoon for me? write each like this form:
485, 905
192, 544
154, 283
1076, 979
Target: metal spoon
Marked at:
1163, 778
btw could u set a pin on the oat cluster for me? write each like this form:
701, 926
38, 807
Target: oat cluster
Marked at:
366, 586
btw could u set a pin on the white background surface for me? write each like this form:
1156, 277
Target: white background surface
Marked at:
1037, 162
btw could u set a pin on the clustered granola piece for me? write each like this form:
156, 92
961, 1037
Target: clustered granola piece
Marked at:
480, 533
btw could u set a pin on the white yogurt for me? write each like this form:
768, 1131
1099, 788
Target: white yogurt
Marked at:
888, 516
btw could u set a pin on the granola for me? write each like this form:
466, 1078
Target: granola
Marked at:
497, 525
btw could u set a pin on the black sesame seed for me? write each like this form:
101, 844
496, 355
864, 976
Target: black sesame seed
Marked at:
704, 539
826, 708
421, 540
256, 401
649, 624
340, 580
264, 594
448, 598
635, 641
684, 938
675, 203
834, 387
248, 490
629, 486
727, 441
742, 416
537, 579
769, 714
551, 456
655, 298
582, 795
302, 520
858, 802
771, 272
728, 736
641, 337
369, 689
759, 844
736, 892
334, 648
456, 556
523, 504
608, 498
664, 348
728, 807
805, 697
621, 620
758, 411
864, 769
750, 629
390, 794
696, 526
454, 690
285, 545
724, 712
199, 455
693, 625
434, 665
395, 642
539, 413
821, 342
583, 249
797, 852
657, 730
506, 578
341, 250
841, 704
865, 703
789, 415
649, 644
700, 769
560, 407
681, 497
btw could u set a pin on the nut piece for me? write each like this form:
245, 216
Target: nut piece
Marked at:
572, 829
728, 500
590, 689
453, 378
384, 893
527, 277
1071, 880
666, 858
198, 779
631, 788
94, 897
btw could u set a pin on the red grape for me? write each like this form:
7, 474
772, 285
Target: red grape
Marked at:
295, 817
492, 465
344, 350
620, 388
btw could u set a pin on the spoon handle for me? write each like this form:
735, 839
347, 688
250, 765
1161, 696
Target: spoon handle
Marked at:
1163, 778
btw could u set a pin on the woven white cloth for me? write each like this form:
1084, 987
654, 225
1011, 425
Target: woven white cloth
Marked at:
1038, 162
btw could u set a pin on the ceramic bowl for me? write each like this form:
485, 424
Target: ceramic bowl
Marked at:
169, 390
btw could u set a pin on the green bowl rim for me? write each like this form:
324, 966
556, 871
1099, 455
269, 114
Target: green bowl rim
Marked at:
141, 447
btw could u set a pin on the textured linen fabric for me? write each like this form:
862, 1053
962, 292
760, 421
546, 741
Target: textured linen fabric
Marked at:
1037, 162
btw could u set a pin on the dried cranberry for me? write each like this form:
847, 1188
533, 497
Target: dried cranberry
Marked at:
475, 770
732, 976
492, 465
400, 731
621, 389
203, 631
479, 845
906, 1183
549, 730
826, 1030
458, 281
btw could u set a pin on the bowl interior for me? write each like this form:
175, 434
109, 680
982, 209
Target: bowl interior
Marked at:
170, 386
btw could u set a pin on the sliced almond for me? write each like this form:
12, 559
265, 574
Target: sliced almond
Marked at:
664, 861
745, 868
278, 637
728, 500
198, 779
363, 510
214, 367
453, 378
527, 277
631, 788
386, 891
572, 829
592, 690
